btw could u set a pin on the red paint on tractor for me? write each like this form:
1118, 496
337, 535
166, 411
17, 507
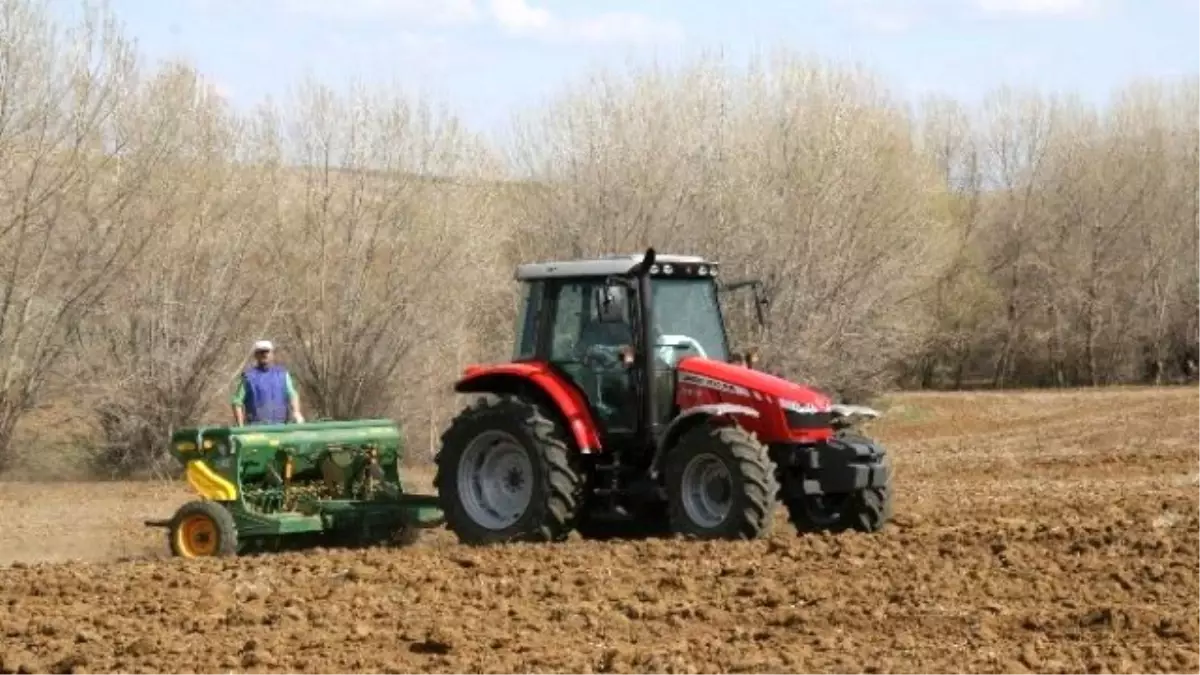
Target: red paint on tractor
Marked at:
567, 399
704, 381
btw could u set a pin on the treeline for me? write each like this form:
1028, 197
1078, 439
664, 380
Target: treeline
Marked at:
149, 232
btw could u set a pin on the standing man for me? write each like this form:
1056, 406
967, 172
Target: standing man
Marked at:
265, 393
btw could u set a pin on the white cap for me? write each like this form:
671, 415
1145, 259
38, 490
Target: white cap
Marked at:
263, 346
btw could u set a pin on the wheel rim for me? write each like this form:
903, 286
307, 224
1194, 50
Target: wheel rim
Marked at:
197, 537
707, 490
495, 480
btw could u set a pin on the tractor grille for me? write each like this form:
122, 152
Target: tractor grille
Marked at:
796, 420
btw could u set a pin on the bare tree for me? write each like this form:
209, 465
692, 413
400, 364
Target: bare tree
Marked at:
148, 232
375, 251
1018, 128
796, 170
961, 301
70, 171
1184, 214
162, 343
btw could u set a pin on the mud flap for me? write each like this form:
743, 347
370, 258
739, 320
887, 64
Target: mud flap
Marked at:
844, 465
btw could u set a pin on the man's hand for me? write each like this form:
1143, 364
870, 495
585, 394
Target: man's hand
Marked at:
294, 404
602, 356
239, 416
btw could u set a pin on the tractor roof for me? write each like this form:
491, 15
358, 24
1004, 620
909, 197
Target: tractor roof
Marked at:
689, 265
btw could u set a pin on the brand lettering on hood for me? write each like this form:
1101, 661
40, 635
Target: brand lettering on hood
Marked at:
709, 383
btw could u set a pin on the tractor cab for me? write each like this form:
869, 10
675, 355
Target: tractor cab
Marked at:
583, 318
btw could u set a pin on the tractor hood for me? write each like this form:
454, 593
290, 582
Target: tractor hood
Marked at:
755, 381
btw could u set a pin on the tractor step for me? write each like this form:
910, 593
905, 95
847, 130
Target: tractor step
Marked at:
157, 523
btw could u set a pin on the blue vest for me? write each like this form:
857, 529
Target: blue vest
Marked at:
266, 394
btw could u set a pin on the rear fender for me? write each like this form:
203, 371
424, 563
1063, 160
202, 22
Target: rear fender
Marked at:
517, 378
689, 419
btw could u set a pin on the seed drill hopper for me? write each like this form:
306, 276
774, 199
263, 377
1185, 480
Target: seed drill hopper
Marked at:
270, 487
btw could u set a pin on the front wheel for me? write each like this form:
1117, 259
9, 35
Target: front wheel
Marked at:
864, 510
848, 487
720, 484
505, 473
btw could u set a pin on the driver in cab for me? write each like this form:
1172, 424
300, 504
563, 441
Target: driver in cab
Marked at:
607, 328
609, 331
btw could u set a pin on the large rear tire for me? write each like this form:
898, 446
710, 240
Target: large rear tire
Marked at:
505, 473
720, 484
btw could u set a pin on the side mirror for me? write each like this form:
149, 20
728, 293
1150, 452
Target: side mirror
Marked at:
610, 304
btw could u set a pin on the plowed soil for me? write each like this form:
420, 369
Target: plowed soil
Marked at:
1044, 532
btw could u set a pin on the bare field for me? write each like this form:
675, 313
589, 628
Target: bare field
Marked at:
1044, 532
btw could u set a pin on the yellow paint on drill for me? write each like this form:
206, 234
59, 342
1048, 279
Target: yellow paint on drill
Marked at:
208, 484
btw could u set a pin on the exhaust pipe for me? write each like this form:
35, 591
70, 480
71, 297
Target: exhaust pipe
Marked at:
645, 355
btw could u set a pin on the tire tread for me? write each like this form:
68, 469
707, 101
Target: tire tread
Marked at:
552, 455
757, 471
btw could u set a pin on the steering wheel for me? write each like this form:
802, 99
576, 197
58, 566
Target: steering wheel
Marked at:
668, 344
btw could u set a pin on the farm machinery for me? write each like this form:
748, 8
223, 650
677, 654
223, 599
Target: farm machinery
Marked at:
271, 487
623, 412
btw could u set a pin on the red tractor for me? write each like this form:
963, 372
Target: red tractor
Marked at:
622, 414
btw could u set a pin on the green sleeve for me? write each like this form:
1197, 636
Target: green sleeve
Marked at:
239, 394
291, 388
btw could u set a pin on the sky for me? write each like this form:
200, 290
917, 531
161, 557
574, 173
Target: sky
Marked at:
490, 58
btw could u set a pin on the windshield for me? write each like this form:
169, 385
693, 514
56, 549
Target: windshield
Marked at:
688, 307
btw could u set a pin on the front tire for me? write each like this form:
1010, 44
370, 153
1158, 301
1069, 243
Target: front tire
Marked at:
505, 473
720, 485
863, 510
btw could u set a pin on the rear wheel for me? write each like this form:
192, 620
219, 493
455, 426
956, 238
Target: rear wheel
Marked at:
505, 474
720, 484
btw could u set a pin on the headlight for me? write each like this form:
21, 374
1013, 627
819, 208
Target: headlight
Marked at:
802, 408
804, 415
